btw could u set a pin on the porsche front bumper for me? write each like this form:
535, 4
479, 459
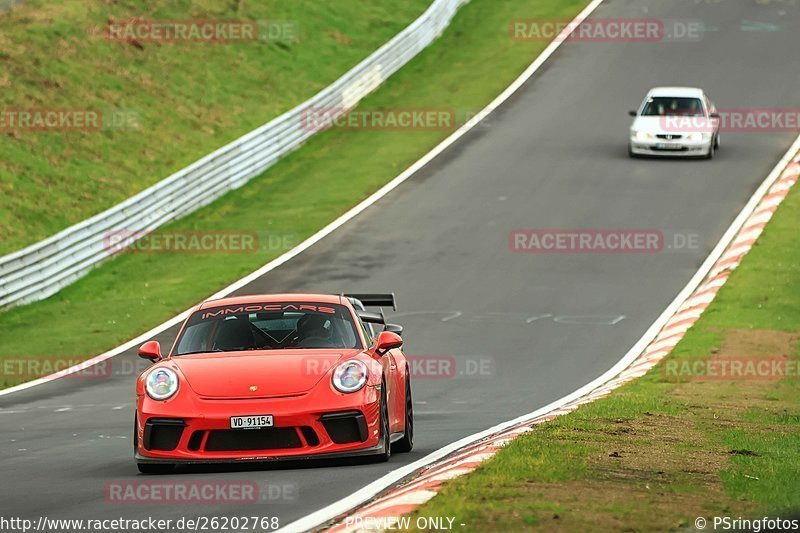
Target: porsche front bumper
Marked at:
198, 430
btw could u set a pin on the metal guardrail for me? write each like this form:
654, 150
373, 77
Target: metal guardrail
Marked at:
42, 269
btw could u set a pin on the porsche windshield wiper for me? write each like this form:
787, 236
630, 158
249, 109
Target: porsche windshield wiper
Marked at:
198, 351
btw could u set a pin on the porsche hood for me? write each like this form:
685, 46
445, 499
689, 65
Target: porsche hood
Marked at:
258, 374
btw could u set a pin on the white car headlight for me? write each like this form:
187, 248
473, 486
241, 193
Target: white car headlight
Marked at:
161, 383
350, 376
641, 135
699, 136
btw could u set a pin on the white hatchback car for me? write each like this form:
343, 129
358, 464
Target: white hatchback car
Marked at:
675, 121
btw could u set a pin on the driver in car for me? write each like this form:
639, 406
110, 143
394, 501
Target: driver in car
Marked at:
314, 331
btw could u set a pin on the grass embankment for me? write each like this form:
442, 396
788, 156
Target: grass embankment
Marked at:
678, 443
183, 99
466, 68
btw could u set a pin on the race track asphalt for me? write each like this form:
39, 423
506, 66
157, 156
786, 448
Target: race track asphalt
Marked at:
537, 326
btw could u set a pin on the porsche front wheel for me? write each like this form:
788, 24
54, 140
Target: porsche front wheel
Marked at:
386, 434
407, 442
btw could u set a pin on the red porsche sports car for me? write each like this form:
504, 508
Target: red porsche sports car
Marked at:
267, 377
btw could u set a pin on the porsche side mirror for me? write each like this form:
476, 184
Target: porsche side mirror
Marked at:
394, 328
714, 115
632, 113
150, 350
387, 340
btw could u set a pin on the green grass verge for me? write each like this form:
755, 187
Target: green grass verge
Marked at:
465, 69
187, 99
671, 446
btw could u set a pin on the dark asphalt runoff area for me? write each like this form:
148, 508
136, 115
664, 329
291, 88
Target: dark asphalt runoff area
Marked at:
522, 329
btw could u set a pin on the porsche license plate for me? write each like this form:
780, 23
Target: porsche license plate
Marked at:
251, 422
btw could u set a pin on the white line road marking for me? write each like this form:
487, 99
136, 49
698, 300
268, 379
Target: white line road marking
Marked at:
609, 319
418, 313
590, 320
451, 317
537, 317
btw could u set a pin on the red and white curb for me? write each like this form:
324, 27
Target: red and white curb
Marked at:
385, 511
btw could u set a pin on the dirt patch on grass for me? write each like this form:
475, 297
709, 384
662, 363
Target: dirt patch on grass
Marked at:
728, 399
758, 343
339, 37
603, 506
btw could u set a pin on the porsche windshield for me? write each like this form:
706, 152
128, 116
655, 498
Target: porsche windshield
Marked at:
268, 326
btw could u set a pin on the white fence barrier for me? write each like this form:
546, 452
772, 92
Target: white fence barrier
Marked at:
42, 269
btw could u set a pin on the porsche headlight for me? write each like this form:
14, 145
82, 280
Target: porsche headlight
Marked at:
641, 135
350, 376
161, 383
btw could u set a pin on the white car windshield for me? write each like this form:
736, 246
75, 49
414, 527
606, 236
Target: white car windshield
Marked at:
664, 106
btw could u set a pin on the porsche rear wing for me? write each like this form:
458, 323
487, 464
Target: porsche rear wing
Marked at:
375, 300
